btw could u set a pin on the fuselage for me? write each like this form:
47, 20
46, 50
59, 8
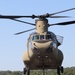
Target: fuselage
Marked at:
42, 52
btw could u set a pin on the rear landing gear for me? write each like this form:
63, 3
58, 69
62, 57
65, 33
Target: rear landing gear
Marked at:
26, 71
60, 70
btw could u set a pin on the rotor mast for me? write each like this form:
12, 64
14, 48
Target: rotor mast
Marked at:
41, 26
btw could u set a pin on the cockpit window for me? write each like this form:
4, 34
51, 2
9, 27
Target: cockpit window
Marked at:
42, 37
48, 37
35, 37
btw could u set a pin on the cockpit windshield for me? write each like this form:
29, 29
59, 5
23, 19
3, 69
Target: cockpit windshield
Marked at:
48, 37
41, 37
35, 37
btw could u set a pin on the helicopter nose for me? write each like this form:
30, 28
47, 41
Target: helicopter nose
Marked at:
43, 45
49, 49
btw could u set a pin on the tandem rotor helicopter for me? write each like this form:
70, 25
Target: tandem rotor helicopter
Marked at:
42, 46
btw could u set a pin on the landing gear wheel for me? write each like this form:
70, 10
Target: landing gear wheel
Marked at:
60, 70
24, 70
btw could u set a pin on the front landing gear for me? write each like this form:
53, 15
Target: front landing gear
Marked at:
60, 70
26, 71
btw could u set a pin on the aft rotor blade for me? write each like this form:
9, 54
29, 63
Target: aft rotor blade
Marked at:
64, 23
62, 11
23, 22
24, 31
59, 16
35, 16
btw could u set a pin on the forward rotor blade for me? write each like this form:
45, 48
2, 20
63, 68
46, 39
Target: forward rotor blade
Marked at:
23, 22
11, 17
24, 31
14, 18
62, 11
63, 23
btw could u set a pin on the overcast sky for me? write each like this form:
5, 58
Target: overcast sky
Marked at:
12, 47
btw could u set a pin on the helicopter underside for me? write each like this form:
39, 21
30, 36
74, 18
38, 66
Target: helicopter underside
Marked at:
48, 61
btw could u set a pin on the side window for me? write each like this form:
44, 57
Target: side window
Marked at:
59, 39
53, 37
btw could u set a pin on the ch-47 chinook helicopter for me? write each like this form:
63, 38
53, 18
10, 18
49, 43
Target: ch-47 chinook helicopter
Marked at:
42, 46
